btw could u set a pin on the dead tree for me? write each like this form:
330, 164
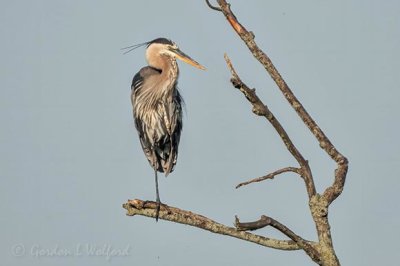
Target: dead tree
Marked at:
321, 251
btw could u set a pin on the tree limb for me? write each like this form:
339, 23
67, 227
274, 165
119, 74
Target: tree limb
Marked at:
168, 213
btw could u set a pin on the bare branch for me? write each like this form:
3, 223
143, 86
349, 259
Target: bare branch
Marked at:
168, 213
271, 175
268, 221
332, 192
261, 109
213, 7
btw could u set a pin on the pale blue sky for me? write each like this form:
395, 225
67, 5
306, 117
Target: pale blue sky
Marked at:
70, 155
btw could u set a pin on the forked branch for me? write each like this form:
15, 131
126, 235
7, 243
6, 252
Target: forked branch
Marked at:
268, 221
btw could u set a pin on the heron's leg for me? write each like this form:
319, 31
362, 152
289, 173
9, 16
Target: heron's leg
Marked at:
156, 178
157, 195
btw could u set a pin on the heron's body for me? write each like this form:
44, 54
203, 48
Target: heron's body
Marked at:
157, 105
158, 116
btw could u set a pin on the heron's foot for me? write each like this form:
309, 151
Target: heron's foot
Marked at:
158, 210
148, 204
158, 206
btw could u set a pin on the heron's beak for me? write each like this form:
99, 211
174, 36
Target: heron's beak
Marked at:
187, 59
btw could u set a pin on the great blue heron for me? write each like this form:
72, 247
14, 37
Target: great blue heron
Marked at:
157, 105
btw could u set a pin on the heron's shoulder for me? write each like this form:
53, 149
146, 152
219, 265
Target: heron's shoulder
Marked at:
148, 71
144, 73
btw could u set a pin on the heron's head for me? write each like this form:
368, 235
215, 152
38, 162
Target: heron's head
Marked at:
164, 47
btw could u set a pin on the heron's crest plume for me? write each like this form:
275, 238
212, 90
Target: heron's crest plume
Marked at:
158, 40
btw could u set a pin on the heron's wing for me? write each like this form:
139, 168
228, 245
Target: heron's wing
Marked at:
175, 120
144, 130
147, 146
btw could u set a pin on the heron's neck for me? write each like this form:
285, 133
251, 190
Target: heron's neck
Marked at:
172, 71
169, 74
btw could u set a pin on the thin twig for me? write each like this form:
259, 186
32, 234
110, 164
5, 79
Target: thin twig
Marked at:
261, 109
268, 221
270, 176
213, 7
168, 213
